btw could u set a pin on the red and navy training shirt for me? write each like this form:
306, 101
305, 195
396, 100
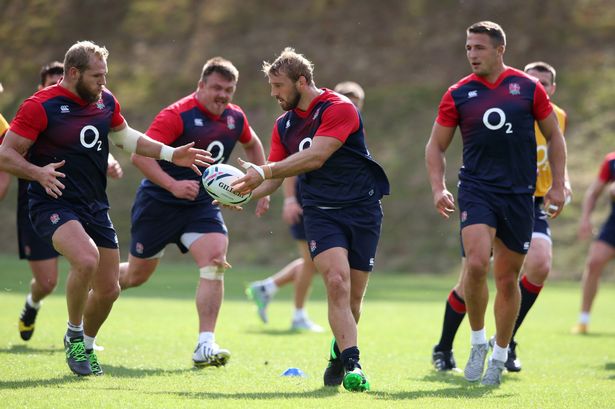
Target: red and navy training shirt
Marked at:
188, 121
607, 169
65, 127
350, 176
497, 127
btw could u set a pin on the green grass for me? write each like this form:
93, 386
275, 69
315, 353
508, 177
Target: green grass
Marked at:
152, 330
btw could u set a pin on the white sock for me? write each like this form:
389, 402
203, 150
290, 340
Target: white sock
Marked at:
499, 353
88, 341
75, 328
207, 337
584, 318
270, 286
479, 337
31, 303
300, 314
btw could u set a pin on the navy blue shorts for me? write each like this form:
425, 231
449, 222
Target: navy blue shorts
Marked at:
541, 220
156, 224
297, 230
31, 246
607, 232
512, 215
48, 215
356, 229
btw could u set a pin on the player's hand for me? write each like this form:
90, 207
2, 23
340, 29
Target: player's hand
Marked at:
185, 189
444, 202
114, 170
249, 182
190, 157
48, 179
586, 231
554, 201
262, 206
236, 208
292, 211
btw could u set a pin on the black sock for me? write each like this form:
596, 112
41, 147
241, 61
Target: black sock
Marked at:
529, 293
350, 358
453, 316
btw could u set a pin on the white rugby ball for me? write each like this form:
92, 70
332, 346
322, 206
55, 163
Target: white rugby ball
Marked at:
217, 181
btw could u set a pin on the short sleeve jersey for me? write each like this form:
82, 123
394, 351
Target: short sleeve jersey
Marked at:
607, 170
545, 178
65, 127
349, 176
188, 121
497, 127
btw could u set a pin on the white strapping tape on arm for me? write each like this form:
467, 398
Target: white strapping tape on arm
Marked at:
248, 165
166, 153
126, 138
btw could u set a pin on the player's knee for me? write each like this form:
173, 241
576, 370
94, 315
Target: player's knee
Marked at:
506, 284
215, 270
86, 263
594, 266
110, 292
477, 266
337, 284
47, 284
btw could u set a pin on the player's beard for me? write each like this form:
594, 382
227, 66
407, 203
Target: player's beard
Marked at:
292, 102
84, 93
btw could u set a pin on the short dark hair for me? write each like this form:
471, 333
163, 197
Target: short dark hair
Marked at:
51, 69
291, 63
541, 66
493, 30
222, 66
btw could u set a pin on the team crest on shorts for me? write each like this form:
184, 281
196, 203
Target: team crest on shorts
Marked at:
54, 218
139, 248
27, 250
313, 246
464, 216
514, 88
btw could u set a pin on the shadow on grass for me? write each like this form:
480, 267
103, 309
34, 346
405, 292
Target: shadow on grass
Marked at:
609, 366
278, 331
456, 378
25, 349
110, 370
466, 392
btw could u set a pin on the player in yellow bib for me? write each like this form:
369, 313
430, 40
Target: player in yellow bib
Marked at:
538, 259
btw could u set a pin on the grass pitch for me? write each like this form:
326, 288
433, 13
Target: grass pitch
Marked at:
152, 331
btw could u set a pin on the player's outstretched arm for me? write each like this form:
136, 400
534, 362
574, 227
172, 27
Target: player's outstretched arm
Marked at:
256, 154
439, 141
181, 189
12, 160
134, 141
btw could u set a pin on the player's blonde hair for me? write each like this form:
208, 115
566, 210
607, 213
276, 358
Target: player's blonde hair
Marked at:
78, 55
291, 63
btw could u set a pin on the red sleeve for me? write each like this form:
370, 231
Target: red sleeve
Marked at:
339, 121
167, 127
447, 111
117, 119
30, 120
605, 174
278, 151
246, 135
542, 106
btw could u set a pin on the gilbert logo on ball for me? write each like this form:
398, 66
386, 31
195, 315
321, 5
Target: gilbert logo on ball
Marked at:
217, 181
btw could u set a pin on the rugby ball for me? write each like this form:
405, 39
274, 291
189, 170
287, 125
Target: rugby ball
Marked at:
217, 181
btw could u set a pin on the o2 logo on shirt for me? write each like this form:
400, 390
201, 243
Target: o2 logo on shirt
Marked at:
305, 143
90, 137
216, 148
494, 126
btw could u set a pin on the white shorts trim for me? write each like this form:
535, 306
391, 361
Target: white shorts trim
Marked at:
543, 236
